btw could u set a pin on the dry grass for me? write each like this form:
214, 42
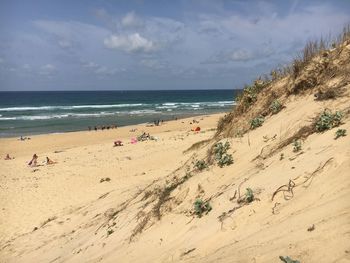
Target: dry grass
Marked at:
198, 145
311, 71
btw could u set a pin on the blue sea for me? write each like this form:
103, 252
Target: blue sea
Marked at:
37, 112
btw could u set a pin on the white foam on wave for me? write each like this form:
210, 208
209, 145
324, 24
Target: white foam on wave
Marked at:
136, 112
35, 117
202, 103
78, 115
167, 107
41, 108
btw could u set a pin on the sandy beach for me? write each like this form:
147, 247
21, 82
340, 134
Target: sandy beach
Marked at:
63, 213
31, 195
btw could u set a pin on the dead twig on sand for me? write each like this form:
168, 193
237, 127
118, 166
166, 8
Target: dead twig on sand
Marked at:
273, 208
239, 188
288, 188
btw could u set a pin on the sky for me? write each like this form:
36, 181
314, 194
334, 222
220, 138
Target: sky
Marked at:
146, 45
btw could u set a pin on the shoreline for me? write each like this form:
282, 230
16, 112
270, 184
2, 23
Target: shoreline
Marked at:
86, 137
99, 130
121, 126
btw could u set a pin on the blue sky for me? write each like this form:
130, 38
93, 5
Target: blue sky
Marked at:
139, 44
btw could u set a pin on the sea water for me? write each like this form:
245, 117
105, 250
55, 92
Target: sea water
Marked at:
38, 112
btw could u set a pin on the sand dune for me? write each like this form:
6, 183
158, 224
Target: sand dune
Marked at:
145, 213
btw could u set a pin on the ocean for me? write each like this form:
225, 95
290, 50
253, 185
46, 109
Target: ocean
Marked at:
39, 112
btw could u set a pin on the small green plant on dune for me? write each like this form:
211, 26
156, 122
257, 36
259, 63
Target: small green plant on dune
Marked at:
110, 231
201, 207
328, 120
288, 260
249, 195
239, 134
220, 149
225, 160
247, 198
201, 165
221, 155
257, 122
340, 133
250, 93
275, 106
296, 145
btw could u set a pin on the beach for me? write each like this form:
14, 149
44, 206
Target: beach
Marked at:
31, 195
134, 203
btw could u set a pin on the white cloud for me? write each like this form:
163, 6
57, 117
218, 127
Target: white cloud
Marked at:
239, 55
64, 43
130, 43
70, 34
153, 64
131, 20
48, 67
47, 70
90, 65
106, 71
26, 67
2, 60
101, 70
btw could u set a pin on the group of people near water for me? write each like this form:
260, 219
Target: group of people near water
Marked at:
103, 127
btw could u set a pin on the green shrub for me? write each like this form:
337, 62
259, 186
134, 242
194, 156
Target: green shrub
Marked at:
226, 159
221, 155
275, 106
110, 231
327, 120
250, 93
220, 149
249, 196
257, 122
201, 207
340, 133
296, 145
201, 165
288, 260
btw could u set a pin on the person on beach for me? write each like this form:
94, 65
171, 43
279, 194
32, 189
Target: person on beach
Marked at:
34, 161
49, 161
7, 157
118, 143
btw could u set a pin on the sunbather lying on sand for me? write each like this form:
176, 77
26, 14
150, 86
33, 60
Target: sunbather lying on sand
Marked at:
49, 161
118, 143
7, 157
34, 161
